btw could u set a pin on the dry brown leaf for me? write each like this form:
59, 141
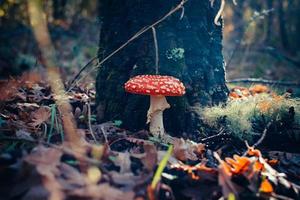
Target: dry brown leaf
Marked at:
185, 149
103, 192
46, 161
127, 179
40, 116
150, 159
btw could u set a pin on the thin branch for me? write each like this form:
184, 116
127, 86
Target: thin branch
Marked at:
156, 50
89, 121
49, 60
214, 136
219, 14
261, 139
135, 36
263, 81
263, 136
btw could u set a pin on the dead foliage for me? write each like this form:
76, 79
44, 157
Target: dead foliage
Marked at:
121, 164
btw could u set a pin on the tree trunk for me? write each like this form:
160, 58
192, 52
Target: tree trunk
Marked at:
269, 23
200, 67
59, 9
282, 27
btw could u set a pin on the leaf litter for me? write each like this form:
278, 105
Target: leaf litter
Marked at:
36, 162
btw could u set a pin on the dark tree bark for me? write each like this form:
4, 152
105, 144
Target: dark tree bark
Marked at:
282, 26
201, 68
59, 9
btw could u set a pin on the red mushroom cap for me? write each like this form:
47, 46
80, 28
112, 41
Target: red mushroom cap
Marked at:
155, 85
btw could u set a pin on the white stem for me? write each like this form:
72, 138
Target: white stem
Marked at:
155, 114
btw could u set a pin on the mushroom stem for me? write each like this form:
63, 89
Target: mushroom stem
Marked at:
155, 114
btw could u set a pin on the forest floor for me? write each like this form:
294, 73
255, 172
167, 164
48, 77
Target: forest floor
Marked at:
37, 163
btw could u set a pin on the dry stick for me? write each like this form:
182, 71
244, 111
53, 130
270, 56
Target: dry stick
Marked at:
263, 135
135, 36
269, 82
90, 123
258, 142
156, 49
214, 136
219, 14
220, 10
41, 33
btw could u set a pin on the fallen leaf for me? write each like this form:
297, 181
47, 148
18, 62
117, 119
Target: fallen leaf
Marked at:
258, 88
40, 116
103, 192
239, 164
184, 149
150, 159
46, 161
266, 186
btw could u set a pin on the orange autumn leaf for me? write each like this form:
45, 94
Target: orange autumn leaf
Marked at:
266, 186
257, 166
239, 92
273, 162
238, 164
234, 95
191, 170
258, 89
253, 152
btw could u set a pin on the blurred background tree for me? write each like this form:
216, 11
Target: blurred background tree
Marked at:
261, 38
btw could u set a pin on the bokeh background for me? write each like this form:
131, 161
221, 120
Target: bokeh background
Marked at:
261, 38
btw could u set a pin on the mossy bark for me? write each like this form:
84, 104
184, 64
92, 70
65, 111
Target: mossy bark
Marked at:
189, 49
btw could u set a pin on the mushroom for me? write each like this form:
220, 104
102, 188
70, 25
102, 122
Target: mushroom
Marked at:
158, 87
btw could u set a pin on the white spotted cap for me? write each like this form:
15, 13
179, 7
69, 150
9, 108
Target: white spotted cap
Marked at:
155, 85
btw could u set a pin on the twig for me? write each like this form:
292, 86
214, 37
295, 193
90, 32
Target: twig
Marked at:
213, 136
269, 82
258, 142
156, 49
42, 36
219, 14
89, 121
83, 68
135, 36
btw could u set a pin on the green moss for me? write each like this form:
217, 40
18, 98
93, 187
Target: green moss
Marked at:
240, 115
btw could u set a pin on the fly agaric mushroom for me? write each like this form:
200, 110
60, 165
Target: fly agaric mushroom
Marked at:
157, 87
